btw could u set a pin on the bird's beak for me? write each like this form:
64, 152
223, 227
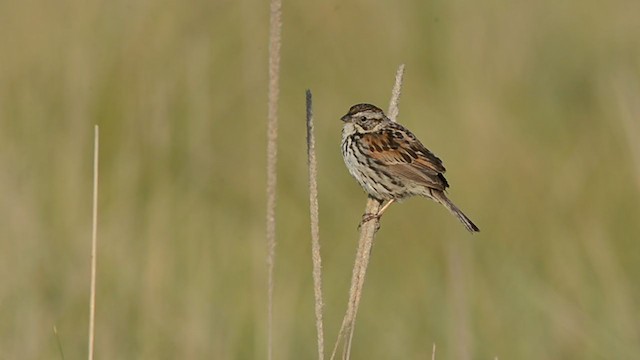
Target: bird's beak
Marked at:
345, 118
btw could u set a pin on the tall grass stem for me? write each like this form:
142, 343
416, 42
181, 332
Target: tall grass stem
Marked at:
365, 244
275, 30
94, 243
394, 104
315, 228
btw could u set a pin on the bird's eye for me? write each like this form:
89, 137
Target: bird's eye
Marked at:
363, 118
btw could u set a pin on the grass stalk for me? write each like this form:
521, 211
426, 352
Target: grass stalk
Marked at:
94, 244
394, 104
365, 244
275, 30
55, 333
315, 228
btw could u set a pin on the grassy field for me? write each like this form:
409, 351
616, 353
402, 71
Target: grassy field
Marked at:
533, 106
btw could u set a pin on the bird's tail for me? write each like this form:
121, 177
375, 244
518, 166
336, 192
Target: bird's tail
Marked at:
444, 200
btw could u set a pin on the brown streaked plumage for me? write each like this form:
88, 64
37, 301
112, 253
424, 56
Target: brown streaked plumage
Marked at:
390, 163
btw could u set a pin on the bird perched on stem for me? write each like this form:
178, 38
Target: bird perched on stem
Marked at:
390, 163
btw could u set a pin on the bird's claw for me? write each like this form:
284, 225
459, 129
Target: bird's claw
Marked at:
368, 217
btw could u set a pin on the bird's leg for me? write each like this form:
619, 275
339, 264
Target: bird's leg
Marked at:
368, 217
385, 207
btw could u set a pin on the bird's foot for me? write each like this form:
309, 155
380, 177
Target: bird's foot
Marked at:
368, 217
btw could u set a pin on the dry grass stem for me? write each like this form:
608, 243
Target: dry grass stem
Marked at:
94, 244
433, 352
315, 228
55, 333
365, 244
394, 104
272, 155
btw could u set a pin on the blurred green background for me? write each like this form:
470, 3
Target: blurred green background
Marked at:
533, 106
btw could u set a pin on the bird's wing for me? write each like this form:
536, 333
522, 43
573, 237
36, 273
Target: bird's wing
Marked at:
403, 155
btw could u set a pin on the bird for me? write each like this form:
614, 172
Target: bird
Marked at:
391, 164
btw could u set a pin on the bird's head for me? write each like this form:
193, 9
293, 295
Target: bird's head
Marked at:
365, 116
